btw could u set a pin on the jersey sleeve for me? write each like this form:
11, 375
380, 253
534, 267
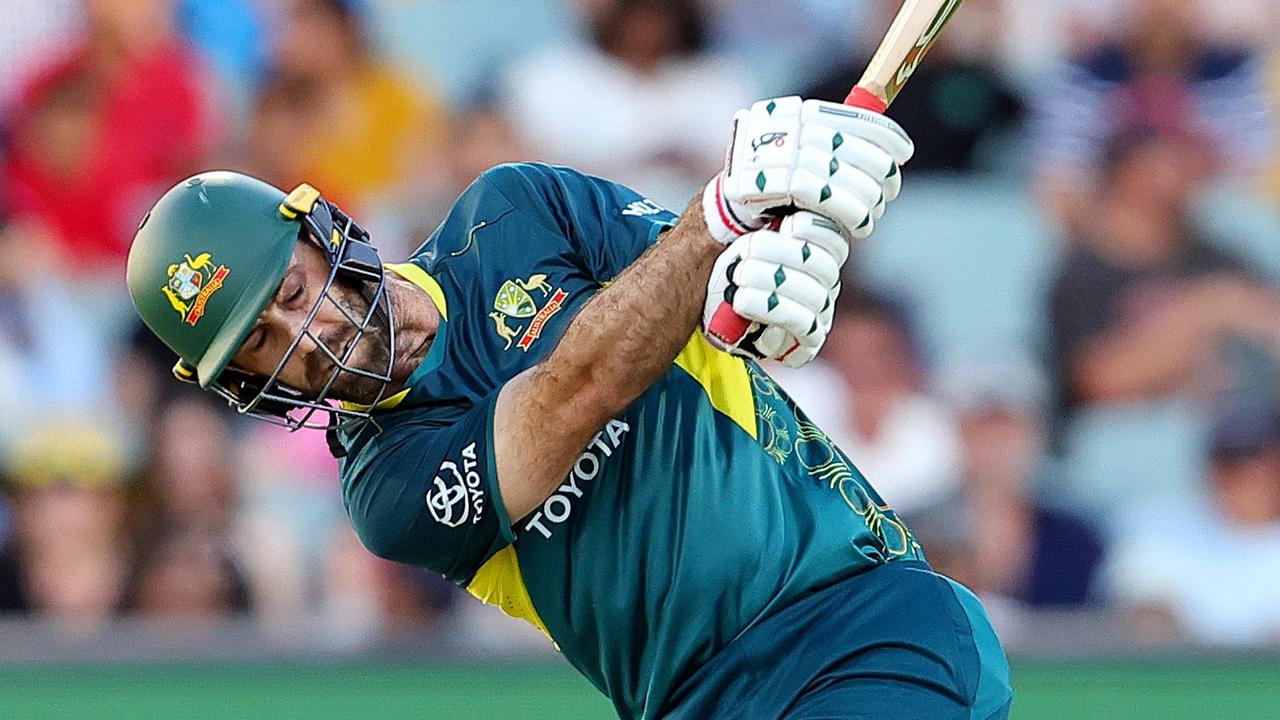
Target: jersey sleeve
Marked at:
608, 225
427, 495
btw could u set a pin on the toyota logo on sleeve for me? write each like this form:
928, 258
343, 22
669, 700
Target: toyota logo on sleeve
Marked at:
457, 495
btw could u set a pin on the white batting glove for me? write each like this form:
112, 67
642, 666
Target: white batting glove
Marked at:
838, 161
785, 281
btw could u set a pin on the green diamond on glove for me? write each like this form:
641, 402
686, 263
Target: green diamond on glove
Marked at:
836, 141
835, 165
760, 181
805, 252
771, 107
825, 195
779, 277
773, 300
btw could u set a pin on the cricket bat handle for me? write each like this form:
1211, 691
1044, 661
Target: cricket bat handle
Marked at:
914, 30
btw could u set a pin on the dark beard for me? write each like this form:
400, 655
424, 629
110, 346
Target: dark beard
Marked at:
371, 353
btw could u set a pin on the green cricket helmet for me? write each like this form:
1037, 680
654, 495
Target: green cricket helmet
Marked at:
208, 259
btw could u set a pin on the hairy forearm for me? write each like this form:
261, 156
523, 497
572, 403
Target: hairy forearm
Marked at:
619, 345
628, 335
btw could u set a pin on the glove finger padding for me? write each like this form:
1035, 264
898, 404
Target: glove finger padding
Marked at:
871, 126
785, 282
774, 310
801, 260
800, 356
819, 257
839, 161
773, 341
841, 192
792, 284
821, 183
795, 353
820, 232
856, 152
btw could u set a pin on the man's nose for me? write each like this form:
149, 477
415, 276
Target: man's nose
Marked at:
290, 324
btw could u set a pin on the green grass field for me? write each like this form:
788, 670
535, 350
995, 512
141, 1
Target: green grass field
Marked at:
1131, 690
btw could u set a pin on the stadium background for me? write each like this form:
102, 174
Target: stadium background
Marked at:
1057, 357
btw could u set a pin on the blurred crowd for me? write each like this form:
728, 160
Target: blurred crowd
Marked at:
1059, 359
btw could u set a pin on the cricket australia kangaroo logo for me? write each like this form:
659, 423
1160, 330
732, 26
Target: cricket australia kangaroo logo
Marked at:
191, 283
515, 301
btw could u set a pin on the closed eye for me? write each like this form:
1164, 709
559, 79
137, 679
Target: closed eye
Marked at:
291, 288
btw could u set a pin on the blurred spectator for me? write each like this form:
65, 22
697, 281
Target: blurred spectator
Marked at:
477, 139
68, 558
333, 114
280, 116
1041, 34
187, 480
6, 523
1161, 69
1273, 84
412, 597
11, 599
367, 598
1142, 304
187, 573
996, 536
93, 143
231, 35
31, 30
290, 517
39, 319
465, 44
143, 383
957, 106
1212, 573
875, 409
800, 35
645, 105
182, 514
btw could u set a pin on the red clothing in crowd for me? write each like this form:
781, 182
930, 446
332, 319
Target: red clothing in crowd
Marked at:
92, 149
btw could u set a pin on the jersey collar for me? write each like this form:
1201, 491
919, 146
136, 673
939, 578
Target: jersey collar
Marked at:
435, 355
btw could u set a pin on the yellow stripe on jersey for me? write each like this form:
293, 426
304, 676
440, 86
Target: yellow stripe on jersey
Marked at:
724, 378
419, 277
499, 582
385, 404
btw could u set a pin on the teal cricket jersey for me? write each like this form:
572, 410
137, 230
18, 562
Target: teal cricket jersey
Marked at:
706, 506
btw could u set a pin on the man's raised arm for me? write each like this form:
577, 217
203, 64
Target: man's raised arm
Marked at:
620, 343
838, 162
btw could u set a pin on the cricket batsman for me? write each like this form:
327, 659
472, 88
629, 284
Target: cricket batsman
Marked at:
555, 403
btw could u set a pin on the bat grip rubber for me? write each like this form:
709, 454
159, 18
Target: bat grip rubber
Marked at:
730, 327
861, 97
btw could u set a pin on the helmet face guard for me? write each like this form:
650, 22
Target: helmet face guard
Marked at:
353, 261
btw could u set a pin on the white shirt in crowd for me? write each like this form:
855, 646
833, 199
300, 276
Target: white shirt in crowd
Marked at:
1220, 580
663, 134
